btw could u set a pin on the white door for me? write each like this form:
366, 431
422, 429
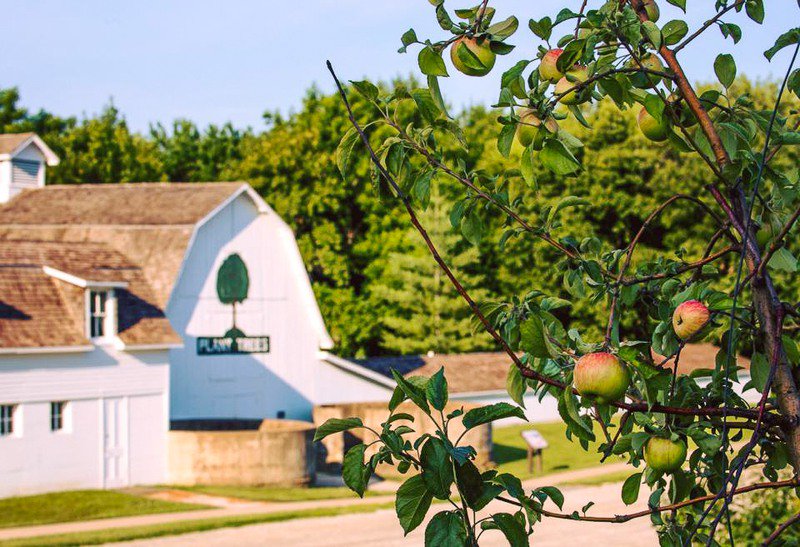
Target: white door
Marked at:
115, 442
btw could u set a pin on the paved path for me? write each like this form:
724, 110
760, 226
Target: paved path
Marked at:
380, 529
225, 507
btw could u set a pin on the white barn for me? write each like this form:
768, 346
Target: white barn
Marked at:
112, 323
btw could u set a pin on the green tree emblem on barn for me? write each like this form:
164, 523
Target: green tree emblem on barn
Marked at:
233, 284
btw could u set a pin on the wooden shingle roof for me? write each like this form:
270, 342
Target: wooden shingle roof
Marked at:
11, 141
149, 223
39, 310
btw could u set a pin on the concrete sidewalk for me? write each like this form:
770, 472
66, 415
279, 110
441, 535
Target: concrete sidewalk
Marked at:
381, 529
227, 507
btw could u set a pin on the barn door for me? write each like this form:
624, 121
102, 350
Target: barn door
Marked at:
115, 443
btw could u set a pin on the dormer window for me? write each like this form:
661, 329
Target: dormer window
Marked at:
101, 313
97, 313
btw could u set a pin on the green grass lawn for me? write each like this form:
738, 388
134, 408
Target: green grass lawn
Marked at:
510, 451
184, 527
80, 505
257, 493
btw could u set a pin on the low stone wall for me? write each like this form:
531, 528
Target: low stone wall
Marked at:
374, 414
227, 452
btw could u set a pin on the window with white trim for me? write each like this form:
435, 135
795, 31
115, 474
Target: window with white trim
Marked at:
58, 412
98, 313
7, 419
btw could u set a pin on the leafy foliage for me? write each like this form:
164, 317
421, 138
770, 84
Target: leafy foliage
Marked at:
565, 123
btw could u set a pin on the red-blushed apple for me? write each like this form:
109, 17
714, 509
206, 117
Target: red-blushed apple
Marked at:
574, 76
664, 455
651, 8
530, 127
689, 318
472, 56
652, 128
547, 68
601, 376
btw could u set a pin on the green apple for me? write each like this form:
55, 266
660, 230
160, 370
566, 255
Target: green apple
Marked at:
472, 56
653, 129
644, 80
689, 318
574, 76
601, 376
531, 130
664, 455
547, 68
651, 8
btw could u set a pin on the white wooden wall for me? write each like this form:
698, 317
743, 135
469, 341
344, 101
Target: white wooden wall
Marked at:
36, 459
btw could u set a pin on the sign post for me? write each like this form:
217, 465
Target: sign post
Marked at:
536, 444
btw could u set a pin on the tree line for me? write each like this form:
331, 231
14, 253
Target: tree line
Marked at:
379, 291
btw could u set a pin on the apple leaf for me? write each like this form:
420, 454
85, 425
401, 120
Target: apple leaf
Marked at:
630, 489
431, 62
336, 425
412, 502
725, 69
446, 529
490, 413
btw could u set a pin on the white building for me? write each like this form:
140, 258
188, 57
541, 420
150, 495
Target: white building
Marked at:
112, 322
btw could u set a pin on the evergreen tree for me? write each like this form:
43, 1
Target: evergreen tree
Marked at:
424, 312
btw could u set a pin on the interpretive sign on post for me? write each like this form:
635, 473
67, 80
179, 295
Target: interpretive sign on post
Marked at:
536, 444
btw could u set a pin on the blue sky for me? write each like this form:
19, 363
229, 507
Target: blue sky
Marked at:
214, 61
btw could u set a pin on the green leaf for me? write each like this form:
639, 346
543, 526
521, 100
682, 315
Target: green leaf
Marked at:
354, 473
792, 350
446, 529
542, 28
436, 95
630, 489
472, 227
436, 390
515, 385
505, 139
437, 468
336, 425
504, 29
486, 414
408, 38
783, 259
569, 201
412, 503
674, 31
759, 370
426, 105
422, 188
557, 158
366, 88
443, 18
679, 3
470, 483
554, 494
514, 531
755, 10
725, 69
526, 167
534, 338
411, 391
653, 33
571, 404
345, 150
431, 62
786, 39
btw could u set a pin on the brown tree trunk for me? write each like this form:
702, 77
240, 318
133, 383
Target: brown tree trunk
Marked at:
767, 304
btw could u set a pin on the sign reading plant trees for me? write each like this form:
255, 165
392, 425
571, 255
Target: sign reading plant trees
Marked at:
233, 284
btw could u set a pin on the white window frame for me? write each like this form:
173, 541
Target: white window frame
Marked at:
9, 426
108, 316
60, 418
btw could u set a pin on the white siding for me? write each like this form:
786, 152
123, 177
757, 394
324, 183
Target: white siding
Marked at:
36, 459
291, 378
